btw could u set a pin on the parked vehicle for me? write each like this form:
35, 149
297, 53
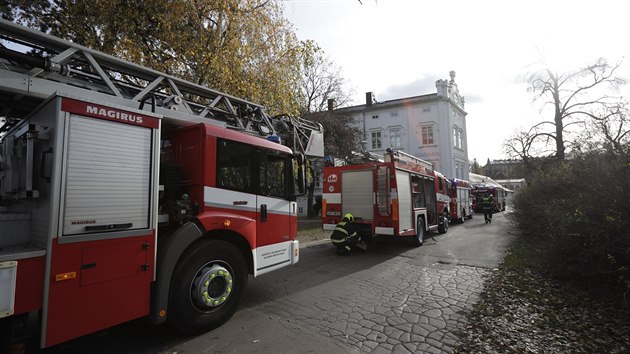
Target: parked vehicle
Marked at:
397, 195
128, 193
498, 193
460, 200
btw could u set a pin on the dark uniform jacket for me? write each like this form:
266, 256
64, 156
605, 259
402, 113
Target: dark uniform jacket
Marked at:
343, 231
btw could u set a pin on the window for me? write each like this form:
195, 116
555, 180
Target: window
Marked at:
245, 168
395, 138
455, 132
457, 137
417, 192
375, 116
234, 166
273, 175
427, 134
376, 140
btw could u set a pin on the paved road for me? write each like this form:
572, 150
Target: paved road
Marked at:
392, 298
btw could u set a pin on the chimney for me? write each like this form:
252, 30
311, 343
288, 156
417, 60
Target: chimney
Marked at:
331, 104
369, 98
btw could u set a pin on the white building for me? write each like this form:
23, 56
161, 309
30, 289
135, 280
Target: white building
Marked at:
432, 127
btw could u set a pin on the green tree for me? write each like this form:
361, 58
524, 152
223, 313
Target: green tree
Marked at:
475, 167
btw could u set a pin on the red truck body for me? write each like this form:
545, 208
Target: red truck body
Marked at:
399, 195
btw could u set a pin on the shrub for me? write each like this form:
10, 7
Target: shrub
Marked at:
576, 212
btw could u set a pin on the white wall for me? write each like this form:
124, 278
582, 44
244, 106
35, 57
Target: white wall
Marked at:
443, 111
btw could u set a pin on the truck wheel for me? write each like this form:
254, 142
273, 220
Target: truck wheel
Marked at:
418, 240
207, 286
443, 226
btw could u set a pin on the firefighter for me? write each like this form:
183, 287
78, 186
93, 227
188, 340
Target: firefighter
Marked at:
487, 202
345, 236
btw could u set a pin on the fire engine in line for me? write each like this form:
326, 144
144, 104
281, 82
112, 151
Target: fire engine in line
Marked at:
460, 199
498, 193
398, 195
480, 185
129, 193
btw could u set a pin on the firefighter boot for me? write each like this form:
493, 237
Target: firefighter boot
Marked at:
343, 251
362, 245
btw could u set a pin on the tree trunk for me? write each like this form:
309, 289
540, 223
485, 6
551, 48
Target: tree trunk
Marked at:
558, 122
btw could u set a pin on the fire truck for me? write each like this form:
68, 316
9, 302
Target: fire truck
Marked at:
128, 193
397, 195
498, 194
460, 199
481, 185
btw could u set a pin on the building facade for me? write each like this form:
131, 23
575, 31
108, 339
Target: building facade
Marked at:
431, 127
504, 169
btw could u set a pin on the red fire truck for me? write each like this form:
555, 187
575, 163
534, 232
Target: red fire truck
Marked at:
397, 195
129, 193
460, 199
498, 194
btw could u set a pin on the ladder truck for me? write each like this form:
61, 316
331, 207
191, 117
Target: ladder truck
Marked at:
128, 193
397, 195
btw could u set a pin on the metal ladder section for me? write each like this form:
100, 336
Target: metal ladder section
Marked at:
34, 66
403, 156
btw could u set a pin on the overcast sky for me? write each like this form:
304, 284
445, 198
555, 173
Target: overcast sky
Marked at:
399, 48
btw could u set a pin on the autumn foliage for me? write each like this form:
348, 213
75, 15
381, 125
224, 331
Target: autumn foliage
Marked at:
245, 48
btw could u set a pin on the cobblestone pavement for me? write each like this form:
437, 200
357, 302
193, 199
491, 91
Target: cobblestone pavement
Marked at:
395, 306
393, 298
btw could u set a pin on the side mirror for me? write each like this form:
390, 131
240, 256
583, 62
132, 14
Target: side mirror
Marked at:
300, 174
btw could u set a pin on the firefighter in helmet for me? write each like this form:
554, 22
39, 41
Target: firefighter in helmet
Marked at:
345, 236
487, 203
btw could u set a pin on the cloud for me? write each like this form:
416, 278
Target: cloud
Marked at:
473, 98
418, 87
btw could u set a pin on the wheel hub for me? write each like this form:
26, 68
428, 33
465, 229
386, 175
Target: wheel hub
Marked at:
212, 286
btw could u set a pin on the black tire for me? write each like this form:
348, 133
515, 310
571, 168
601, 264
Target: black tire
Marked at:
203, 296
418, 240
443, 226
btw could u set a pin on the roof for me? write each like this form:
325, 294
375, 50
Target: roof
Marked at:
481, 180
516, 180
392, 103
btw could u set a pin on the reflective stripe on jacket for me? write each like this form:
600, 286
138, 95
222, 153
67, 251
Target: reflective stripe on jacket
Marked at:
342, 231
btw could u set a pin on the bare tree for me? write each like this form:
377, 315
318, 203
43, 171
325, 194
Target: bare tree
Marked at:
523, 145
322, 80
613, 127
322, 90
573, 96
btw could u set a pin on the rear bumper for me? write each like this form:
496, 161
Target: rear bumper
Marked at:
329, 227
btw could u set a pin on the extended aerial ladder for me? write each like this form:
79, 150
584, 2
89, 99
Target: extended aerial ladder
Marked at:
37, 65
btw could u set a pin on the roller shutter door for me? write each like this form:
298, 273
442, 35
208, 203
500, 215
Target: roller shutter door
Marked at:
357, 195
107, 177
